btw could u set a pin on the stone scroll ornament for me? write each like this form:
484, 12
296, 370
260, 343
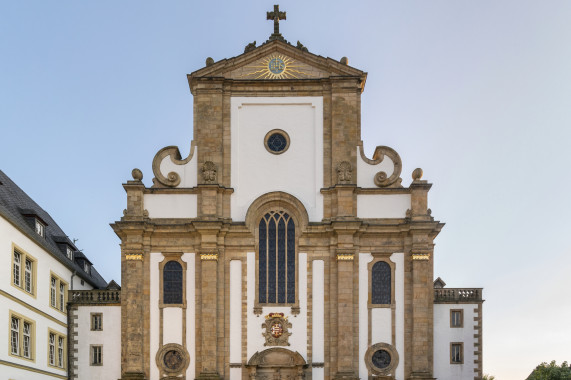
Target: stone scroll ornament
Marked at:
276, 330
209, 172
344, 172
172, 179
382, 179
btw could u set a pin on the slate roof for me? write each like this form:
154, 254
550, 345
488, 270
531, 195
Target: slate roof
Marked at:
20, 210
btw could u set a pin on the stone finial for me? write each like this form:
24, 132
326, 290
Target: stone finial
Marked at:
209, 172
301, 47
344, 61
251, 46
344, 172
209, 61
417, 174
137, 174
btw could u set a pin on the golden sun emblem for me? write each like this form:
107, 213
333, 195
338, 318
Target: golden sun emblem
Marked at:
276, 66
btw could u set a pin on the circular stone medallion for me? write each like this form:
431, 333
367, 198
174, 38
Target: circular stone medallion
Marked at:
276, 66
173, 360
276, 141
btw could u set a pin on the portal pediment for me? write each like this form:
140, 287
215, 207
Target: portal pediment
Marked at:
277, 60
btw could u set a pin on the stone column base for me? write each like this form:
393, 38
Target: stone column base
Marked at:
346, 376
133, 376
209, 376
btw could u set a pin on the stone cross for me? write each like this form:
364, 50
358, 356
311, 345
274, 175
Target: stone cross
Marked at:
276, 15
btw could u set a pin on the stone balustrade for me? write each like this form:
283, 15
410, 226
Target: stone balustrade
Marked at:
467, 295
97, 296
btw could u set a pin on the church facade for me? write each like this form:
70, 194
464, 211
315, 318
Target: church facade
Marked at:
277, 249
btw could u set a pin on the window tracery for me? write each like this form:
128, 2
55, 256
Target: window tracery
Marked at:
381, 283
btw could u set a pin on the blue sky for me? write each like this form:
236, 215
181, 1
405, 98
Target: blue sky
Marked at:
478, 94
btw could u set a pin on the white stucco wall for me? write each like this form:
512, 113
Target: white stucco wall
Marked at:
187, 172
109, 338
298, 171
235, 317
45, 265
382, 205
171, 205
172, 325
190, 260
444, 335
298, 340
154, 316
381, 318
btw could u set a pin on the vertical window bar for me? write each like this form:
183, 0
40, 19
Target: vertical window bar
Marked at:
15, 336
17, 261
52, 349
262, 257
28, 276
290, 261
26, 340
281, 269
272, 242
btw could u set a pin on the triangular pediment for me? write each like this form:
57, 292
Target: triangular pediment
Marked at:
277, 60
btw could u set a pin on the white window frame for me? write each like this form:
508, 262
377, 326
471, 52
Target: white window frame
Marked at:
40, 228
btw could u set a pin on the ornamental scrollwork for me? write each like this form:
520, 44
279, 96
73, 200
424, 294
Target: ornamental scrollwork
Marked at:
382, 179
172, 179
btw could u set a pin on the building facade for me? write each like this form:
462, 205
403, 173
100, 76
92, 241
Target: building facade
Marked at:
277, 249
40, 264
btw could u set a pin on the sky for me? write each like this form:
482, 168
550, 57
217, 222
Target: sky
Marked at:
476, 93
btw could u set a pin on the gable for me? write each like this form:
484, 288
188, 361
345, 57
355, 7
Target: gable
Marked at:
277, 60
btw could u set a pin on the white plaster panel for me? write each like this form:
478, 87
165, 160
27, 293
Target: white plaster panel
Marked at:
382, 205
298, 340
366, 172
109, 338
398, 259
318, 373
235, 373
190, 260
381, 325
187, 172
444, 335
318, 324
154, 319
172, 325
171, 205
235, 311
364, 260
298, 171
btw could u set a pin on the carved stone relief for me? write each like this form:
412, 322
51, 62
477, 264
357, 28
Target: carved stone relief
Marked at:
276, 326
344, 172
209, 172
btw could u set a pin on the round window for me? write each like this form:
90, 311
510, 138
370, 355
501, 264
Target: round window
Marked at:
276, 141
381, 359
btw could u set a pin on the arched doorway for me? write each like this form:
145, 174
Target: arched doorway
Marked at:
276, 364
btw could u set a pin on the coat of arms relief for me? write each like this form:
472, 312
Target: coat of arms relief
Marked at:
276, 330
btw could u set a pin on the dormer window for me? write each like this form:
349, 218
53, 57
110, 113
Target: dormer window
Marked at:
86, 267
69, 252
40, 228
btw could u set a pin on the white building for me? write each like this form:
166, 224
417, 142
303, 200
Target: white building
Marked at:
39, 264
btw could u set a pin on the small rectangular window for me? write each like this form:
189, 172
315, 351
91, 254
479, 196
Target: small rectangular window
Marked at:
456, 353
21, 336
56, 349
61, 296
58, 290
456, 318
40, 228
28, 276
96, 355
69, 252
27, 341
53, 291
23, 271
60, 351
97, 322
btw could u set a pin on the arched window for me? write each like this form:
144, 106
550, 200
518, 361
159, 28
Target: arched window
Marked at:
381, 283
172, 283
276, 281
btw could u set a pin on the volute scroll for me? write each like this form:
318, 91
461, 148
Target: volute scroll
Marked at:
172, 179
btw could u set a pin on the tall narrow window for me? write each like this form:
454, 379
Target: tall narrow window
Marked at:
15, 336
40, 228
381, 283
276, 259
172, 283
456, 353
53, 292
28, 276
17, 267
61, 296
52, 349
27, 340
96, 355
60, 343
456, 318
